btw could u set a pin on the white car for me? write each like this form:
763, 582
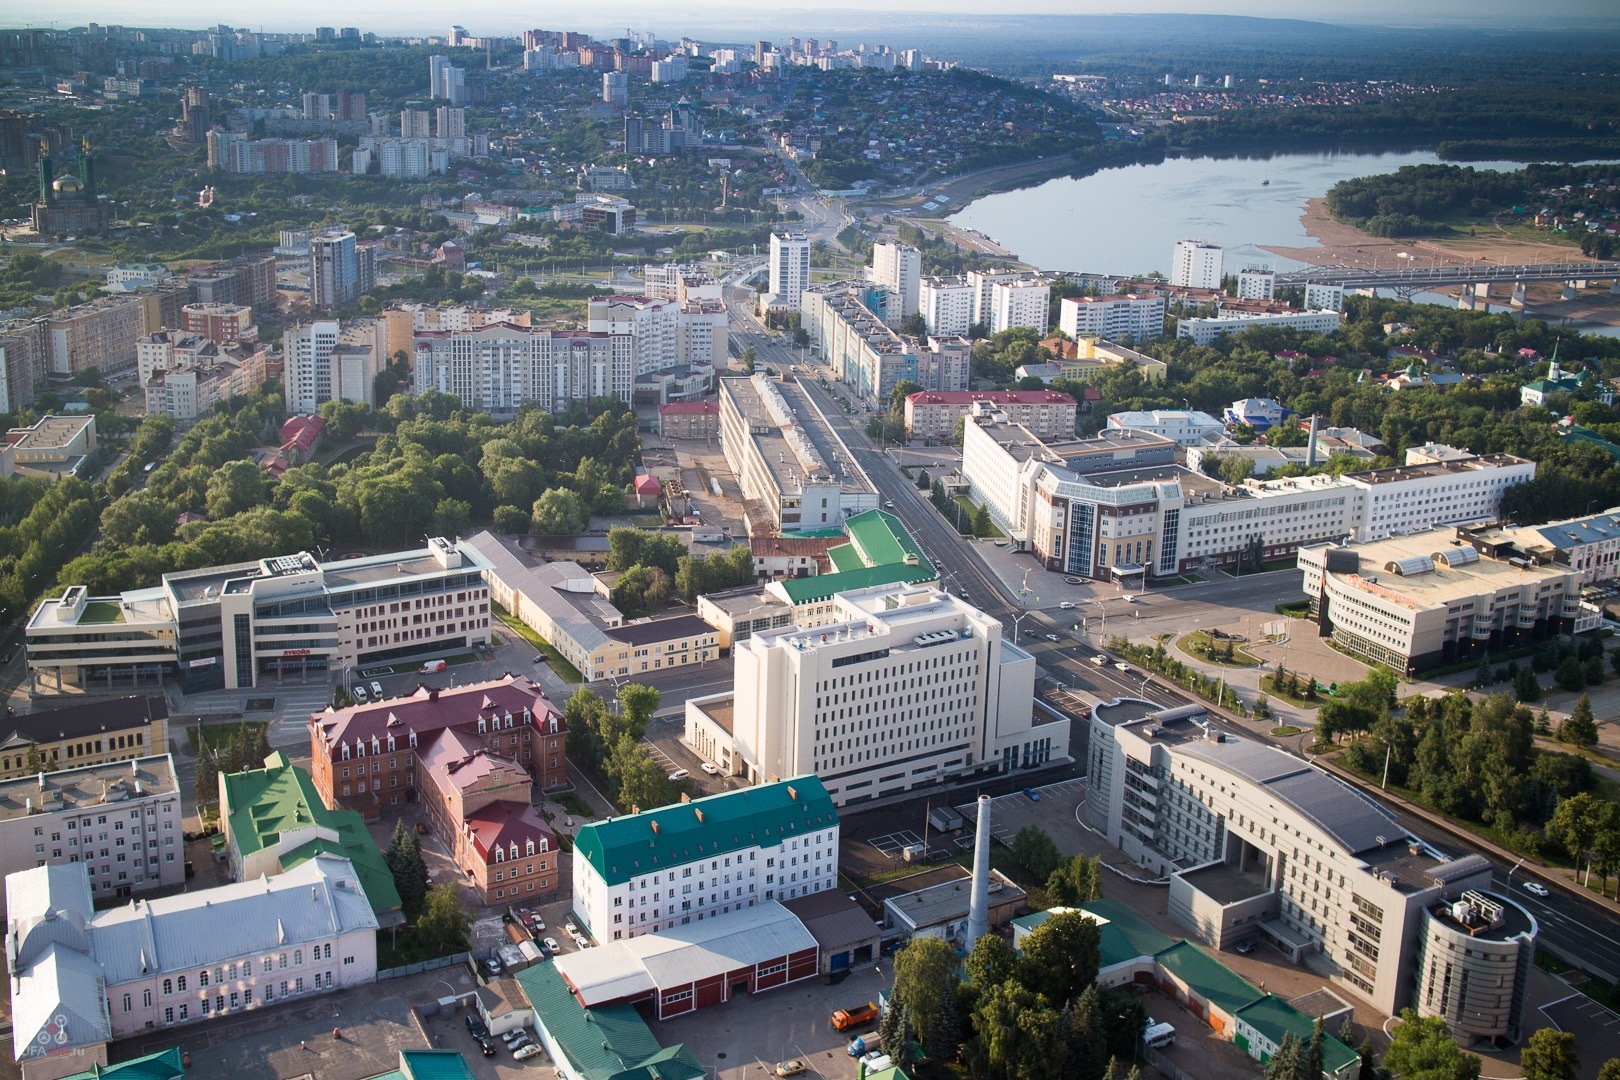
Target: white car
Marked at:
1122, 665
679, 774
1536, 887
376, 690
551, 945
359, 694
1100, 661
710, 768
1067, 605
527, 1052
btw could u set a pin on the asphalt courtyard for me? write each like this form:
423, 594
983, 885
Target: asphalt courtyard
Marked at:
1597, 1030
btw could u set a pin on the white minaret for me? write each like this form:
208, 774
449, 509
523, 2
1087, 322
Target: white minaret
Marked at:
978, 923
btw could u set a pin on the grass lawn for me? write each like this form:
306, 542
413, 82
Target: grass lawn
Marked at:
559, 663
968, 510
1197, 644
218, 736
1267, 686
101, 611
1282, 731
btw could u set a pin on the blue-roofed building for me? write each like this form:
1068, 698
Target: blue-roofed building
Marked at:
1590, 544
1258, 412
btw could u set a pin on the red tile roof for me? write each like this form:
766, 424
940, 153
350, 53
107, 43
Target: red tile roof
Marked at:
689, 408
647, 484
501, 824
994, 397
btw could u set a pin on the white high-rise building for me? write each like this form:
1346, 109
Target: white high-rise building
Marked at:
982, 282
616, 89
899, 267
499, 367
1139, 318
327, 363
652, 324
946, 304
790, 270
334, 272
446, 82
415, 124
902, 685
450, 122
1196, 264
1023, 301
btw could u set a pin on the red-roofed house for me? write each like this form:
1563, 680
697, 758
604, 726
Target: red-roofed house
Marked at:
932, 414
300, 435
647, 487
366, 757
479, 804
689, 419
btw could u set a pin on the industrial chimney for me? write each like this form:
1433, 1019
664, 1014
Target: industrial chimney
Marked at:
978, 923
1310, 447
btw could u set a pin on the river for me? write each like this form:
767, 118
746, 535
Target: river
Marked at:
1127, 220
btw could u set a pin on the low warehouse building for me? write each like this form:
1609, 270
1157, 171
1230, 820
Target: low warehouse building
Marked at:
844, 932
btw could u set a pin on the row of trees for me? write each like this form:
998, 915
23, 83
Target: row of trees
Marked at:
610, 742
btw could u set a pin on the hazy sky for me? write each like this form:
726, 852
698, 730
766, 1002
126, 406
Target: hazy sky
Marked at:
814, 17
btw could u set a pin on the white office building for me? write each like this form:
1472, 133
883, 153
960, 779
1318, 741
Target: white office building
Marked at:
1204, 331
1186, 427
789, 271
946, 304
1449, 487
1139, 318
1196, 264
1260, 845
904, 686
652, 871
898, 268
1022, 302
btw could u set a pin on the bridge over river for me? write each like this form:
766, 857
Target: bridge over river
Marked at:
1477, 277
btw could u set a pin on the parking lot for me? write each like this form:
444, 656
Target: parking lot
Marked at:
1055, 813
1597, 1030
747, 1036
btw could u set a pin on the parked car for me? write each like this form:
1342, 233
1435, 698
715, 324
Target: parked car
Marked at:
487, 1045
519, 1043
475, 1026
679, 774
527, 1052
493, 966
1067, 605
551, 945
790, 1068
1247, 947
1034, 796
359, 694
710, 768
1535, 887
377, 691
513, 1036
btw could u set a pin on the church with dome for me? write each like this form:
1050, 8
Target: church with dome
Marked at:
67, 204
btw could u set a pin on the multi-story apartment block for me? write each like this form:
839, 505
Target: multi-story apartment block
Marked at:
174, 960
232, 153
932, 414
946, 304
653, 326
95, 733
209, 376
340, 271
1255, 284
100, 334
1425, 599
789, 271
1204, 331
1022, 302
1256, 841
446, 82
500, 368
982, 283
786, 457
689, 419
906, 685
225, 626
898, 268
227, 324
1196, 264
367, 756
249, 280
415, 124
325, 361
1139, 318
25, 357
869, 356
121, 820
649, 872
450, 122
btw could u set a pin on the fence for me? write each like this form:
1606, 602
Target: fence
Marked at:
424, 965
1165, 1066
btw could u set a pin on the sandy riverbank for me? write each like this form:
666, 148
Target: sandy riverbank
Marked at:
1343, 245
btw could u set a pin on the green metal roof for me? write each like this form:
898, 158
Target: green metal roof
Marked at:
163, 1065
608, 1042
623, 847
881, 539
1208, 977
808, 590
1141, 936
1576, 433
1273, 1017
281, 797
844, 558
